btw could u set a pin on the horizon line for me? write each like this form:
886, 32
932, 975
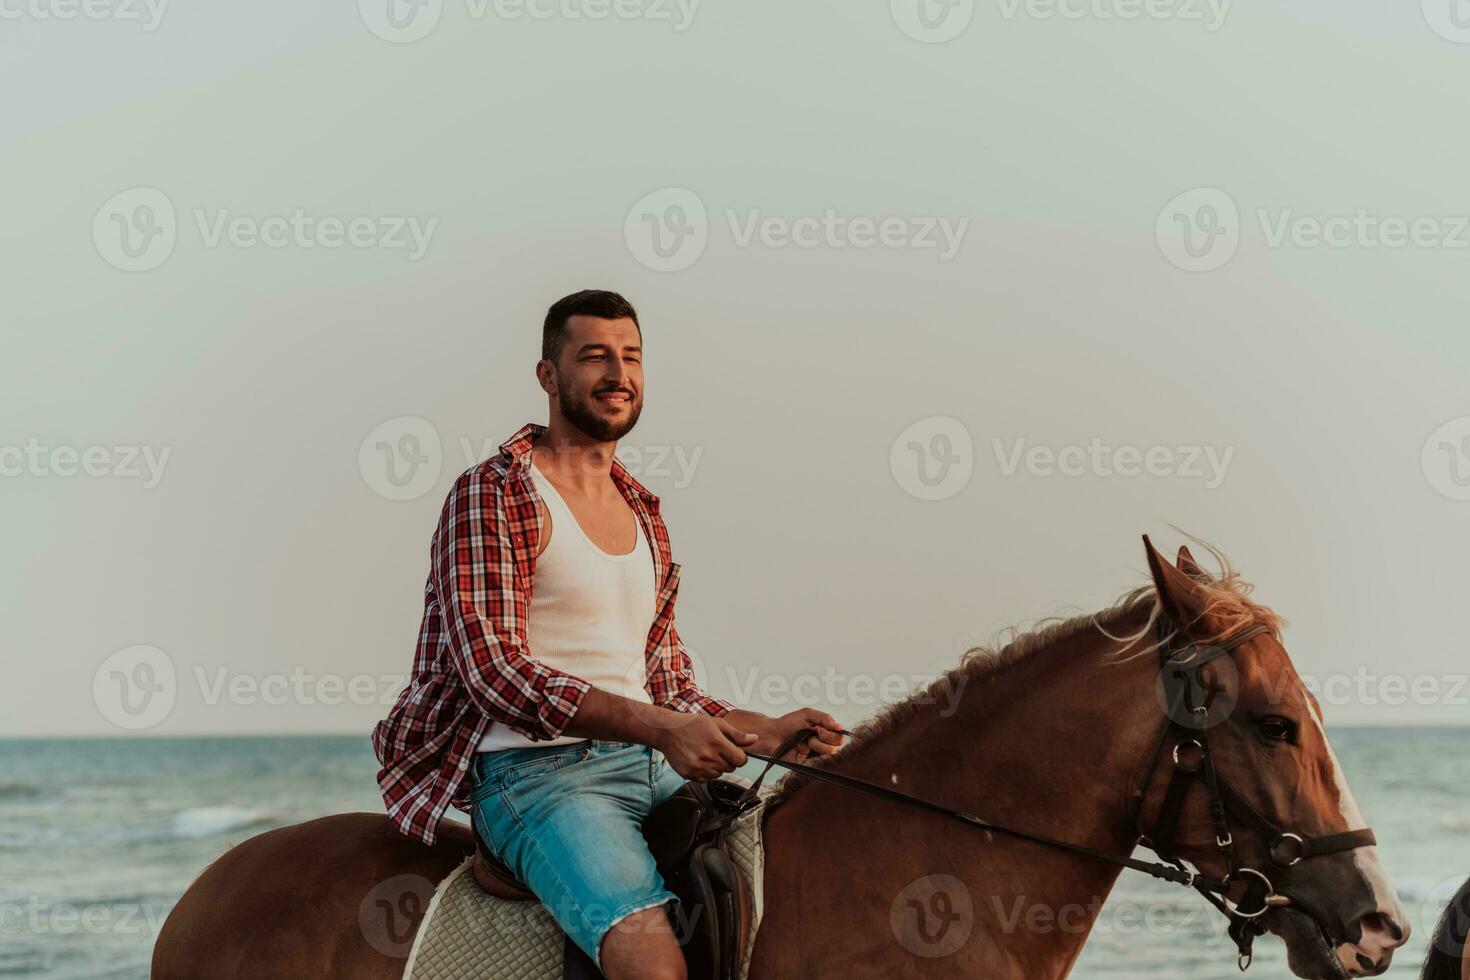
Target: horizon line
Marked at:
367, 735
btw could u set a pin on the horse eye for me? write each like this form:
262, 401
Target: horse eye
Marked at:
1276, 729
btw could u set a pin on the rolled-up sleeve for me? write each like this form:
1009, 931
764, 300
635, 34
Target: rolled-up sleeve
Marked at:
486, 606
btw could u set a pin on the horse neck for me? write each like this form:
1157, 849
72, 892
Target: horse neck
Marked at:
1051, 743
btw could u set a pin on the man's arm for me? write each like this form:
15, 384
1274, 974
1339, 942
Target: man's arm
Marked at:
698, 746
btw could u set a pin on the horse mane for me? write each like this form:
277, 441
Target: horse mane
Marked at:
1229, 604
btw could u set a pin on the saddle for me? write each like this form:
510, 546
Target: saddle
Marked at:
686, 835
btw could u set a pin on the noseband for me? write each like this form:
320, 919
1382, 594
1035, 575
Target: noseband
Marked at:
1181, 664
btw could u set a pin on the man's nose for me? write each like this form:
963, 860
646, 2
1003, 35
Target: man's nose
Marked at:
617, 374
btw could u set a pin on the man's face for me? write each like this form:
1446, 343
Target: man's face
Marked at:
599, 376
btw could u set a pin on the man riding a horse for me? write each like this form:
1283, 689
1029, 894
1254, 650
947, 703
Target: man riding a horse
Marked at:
553, 699
551, 694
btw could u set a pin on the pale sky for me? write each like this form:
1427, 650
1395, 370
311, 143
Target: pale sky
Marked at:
1303, 405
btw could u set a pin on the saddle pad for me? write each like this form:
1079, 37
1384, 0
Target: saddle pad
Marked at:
469, 935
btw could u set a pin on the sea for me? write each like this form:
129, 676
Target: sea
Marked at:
99, 837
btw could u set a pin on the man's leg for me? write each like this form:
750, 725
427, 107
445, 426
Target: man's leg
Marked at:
643, 946
570, 830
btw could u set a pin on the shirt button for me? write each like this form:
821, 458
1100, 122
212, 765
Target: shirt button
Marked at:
464, 764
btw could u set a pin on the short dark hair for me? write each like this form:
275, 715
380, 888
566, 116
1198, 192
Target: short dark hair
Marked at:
588, 302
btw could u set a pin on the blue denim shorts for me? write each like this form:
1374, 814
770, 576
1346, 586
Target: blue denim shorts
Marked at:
567, 820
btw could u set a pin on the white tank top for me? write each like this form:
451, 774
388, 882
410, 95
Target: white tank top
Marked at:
590, 613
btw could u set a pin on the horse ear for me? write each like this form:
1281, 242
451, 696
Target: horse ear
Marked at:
1189, 566
1183, 599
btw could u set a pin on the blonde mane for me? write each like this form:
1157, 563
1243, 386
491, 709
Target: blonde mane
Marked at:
1229, 604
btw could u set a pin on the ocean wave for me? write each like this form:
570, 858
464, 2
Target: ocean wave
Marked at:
191, 823
206, 821
1427, 889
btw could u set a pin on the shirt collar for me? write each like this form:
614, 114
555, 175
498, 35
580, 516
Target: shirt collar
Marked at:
518, 448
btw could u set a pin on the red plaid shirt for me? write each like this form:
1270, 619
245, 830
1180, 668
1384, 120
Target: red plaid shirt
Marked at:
474, 664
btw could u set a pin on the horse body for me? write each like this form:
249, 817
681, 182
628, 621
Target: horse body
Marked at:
1052, 735
340, 896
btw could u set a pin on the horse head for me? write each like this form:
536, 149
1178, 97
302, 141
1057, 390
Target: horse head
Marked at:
1294, 853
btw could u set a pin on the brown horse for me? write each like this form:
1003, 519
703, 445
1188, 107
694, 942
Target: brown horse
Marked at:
1051, 734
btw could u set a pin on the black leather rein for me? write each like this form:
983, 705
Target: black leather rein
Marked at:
1181, 663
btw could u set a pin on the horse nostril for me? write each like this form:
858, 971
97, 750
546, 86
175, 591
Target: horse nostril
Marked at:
1364, 962
1385, 925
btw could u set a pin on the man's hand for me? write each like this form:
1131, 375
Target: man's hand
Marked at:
702, 748
774, 731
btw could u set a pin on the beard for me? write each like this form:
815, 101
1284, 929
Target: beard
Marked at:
582, 413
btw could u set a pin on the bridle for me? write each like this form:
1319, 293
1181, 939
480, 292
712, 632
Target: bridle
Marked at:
1187, 726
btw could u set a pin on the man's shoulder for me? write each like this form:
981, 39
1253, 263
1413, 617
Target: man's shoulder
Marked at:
492, 471
489, 479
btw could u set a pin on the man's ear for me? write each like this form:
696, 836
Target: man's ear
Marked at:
546, 377
1189, 566
1183, 599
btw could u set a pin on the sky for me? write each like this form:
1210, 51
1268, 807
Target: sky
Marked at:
943, 307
